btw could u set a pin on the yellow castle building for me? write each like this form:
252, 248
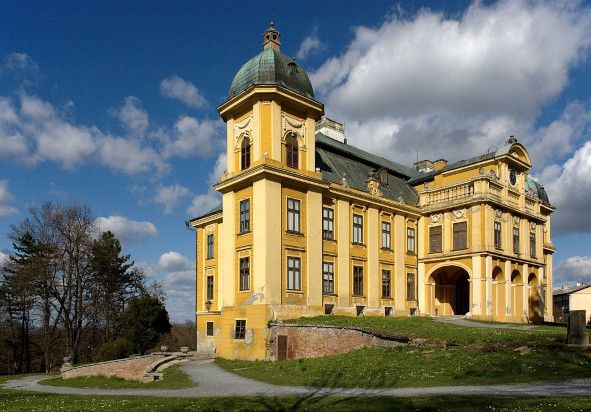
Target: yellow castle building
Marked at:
310, 225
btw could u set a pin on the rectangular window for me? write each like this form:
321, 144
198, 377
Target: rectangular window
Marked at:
327, 223
357, 229
293, 215
245, 273
460, 235
210, 288
294, 274
245, 215
386, 235
532, 244
410, 286
435, 239
327, 277
497, 235
358, 280
240, 329
410, 240
209, 329
210, 246
386, 284
516, 240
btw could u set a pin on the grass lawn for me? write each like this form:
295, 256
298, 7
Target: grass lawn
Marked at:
11, 400
173, 378
473, 356
427, 328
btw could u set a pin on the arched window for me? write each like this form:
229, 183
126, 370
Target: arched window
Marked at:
245, 153
291, 151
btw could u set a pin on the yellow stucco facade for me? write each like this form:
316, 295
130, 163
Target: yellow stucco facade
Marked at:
294, 236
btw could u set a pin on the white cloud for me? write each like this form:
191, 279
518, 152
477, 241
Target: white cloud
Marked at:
561, 136
310, 45
433, 83
218, 169
174, 262
194, 137
5, 199
176, 88
21, 68
56, 139
128, 155
569, 188
572, 270
203, 203
178, 273
127, 230
169, 196
133, 116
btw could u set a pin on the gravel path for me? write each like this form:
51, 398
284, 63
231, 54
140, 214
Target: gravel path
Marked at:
461, 321
214, 381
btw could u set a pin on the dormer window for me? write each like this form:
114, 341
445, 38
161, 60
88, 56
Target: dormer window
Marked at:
291, 151
245, 153
383, 176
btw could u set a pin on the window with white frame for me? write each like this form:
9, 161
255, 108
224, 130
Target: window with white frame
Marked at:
328, 223
294, 274
293, 215
386, 235
328, 277
357, 228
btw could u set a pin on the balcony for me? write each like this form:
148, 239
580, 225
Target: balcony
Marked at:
478, 189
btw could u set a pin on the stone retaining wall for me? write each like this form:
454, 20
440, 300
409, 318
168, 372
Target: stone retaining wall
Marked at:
305, 341
129, 368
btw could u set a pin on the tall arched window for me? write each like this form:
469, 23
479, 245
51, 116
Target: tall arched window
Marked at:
291, 151
245, 153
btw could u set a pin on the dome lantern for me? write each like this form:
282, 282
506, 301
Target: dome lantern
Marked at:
272, 38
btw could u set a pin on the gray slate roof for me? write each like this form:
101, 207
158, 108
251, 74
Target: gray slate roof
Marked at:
570, 290
337, 160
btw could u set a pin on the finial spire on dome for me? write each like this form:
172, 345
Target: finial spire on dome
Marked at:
272, 38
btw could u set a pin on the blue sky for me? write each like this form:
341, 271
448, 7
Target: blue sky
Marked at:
113, 104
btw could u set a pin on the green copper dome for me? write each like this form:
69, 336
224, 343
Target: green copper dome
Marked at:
270, 67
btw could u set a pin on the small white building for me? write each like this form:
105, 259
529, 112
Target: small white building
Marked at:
575, 298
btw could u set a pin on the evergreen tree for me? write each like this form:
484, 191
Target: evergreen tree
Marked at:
143, 321
114, 282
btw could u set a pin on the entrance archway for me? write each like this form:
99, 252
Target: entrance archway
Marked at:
451, 291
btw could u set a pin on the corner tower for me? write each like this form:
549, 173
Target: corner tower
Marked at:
270, 115
270, 100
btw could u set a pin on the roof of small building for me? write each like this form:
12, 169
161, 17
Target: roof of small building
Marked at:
568, 291
270, 67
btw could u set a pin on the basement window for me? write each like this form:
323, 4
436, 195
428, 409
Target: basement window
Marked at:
388, 311
240, 329
328, 309
360, 310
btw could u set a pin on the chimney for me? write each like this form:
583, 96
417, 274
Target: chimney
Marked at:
331, 128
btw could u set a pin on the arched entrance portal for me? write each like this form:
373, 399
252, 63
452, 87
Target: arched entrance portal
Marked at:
450, 291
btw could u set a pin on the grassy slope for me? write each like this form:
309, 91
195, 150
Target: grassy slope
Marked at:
173, 378
473, 356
